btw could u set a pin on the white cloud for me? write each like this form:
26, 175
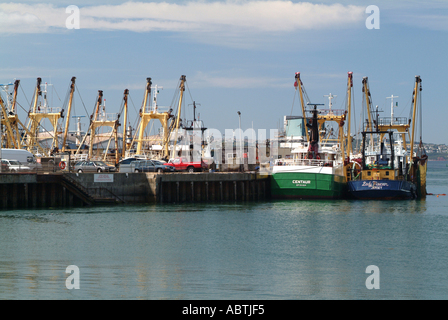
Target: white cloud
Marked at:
15, 22
254, 16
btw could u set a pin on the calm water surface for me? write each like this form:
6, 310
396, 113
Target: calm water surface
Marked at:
270, 250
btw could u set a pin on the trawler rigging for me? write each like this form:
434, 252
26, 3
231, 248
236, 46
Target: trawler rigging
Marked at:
389, 172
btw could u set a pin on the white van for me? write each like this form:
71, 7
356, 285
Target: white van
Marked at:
14, 165
25, 157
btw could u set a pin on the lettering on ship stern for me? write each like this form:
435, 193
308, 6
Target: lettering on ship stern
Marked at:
301, 183
374, 185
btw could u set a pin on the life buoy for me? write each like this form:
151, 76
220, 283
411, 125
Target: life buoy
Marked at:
62, 165
356, 171
317, 157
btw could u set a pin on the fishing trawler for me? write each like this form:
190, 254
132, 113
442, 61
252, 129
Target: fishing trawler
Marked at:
389, 172
314, 172
317, 169
382, 172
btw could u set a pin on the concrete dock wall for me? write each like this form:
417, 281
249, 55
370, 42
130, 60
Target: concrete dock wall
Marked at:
208, 187
124, 187
19, 191
80, 189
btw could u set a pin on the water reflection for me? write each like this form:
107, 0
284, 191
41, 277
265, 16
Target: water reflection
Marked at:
271, 250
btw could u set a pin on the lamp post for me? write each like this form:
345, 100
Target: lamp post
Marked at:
241, 152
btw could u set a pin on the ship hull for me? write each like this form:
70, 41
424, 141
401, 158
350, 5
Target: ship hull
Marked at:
421, 180
382, 189
307, 185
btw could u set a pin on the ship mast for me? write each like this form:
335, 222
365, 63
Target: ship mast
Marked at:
298, 84
366, 91
14, 99
182, 89
349, 106
67, 120
392, 108
123, 145
330, 99
313, 147
92, 126
417, 82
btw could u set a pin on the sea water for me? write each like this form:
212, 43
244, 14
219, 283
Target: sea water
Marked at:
270, 250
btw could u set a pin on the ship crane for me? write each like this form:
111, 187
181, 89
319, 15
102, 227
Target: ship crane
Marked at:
299, 85
179, 107
101, 119
16, 137
9, 117
147, 114
349, 114
39, 112
419, 162
67, 120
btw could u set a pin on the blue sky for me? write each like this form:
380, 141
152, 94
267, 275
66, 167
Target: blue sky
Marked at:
236, 55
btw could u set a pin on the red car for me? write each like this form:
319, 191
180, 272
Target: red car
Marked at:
183, 164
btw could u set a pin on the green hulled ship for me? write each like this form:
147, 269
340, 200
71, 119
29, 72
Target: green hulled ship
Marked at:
308, 182
317, 168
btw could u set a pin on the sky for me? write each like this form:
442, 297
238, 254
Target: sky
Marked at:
236, 56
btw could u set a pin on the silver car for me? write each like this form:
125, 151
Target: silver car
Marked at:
125, 165
151, 166
93, 166
14, 165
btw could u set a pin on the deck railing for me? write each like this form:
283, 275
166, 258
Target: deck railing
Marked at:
102, 117
306, 162
42, 109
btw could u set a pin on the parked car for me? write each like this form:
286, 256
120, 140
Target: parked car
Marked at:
151, 166
25, 157
182, 163
125, 165
5, 167
161, 162
93, 166
14, 166
158, 161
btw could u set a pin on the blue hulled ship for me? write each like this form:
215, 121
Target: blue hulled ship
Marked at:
386, 170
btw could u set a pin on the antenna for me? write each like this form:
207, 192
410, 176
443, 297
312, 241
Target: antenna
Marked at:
330, 97
78, 129
194, 109
155, 92
392, 108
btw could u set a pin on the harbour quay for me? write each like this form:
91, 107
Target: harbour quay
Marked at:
35, 190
